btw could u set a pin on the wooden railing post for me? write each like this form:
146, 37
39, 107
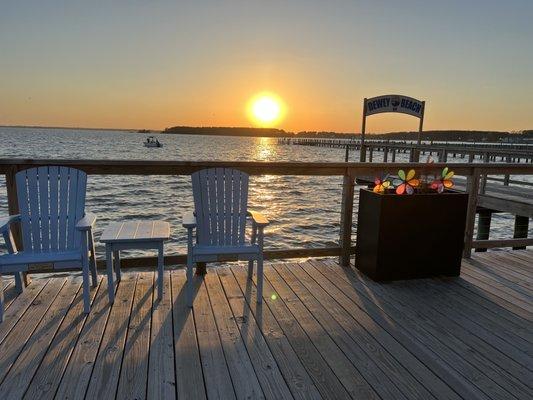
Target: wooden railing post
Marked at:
472, 188
13, 204
345, 237
483, 226
521, 228
13, 209
362, 154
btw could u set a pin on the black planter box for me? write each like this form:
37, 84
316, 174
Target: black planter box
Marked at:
410, 236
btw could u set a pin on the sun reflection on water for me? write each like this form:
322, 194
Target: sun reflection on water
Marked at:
265, 149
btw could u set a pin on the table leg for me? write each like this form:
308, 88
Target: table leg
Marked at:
160, 271
116, 254
109, 266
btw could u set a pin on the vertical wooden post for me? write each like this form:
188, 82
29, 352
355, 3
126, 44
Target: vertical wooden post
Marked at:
13, 209
483, 183
415, 152
345, 236
371, 155
347, 155
472, 188
385, 154
393, 155
521, 227
421, 124
362, 154
483, 226
506, 177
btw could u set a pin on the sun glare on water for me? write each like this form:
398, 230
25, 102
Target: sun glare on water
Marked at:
265, 109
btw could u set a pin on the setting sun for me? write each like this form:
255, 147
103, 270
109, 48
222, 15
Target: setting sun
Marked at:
265, 109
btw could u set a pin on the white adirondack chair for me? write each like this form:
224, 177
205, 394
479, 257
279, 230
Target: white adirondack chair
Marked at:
220, 203
55, 228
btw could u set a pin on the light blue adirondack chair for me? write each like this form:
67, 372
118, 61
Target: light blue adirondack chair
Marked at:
55, 228
220, 215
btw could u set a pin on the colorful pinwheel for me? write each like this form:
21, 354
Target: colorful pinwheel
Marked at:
444, 182
380, 185
406, 183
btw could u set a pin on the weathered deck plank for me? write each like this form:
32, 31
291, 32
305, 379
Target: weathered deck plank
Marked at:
134, 372
321, 332
217, 375
21, 373
78, 372
378, 354
161, 376
257, 323
243, 375
189, 370
106, 372
46, 381
14, 343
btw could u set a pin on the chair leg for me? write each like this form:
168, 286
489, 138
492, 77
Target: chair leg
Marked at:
92, 260
86, 298
1, 299
260, 237
189, 281
260, 279
19, 282
250, 269
85, 273
160, 271
116, 255
109, 266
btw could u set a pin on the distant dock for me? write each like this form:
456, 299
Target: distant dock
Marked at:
488, 152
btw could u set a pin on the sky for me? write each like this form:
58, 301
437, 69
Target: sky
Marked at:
155, 64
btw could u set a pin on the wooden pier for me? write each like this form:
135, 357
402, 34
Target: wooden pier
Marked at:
486, 152
322, 332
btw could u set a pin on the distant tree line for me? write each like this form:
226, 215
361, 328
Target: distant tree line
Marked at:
227, 131
443, 135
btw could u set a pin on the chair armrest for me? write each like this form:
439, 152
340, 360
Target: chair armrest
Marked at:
258, 218
5, 222
86, 222
189, 220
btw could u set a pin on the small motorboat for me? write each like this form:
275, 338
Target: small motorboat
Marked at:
152, 142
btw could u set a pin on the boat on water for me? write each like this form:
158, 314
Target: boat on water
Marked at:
152, 142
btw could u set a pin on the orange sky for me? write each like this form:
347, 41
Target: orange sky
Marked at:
139, 66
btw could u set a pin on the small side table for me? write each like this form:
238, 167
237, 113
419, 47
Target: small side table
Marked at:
134, 235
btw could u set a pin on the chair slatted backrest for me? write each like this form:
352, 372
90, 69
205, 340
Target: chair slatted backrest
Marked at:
51, 201
220, 202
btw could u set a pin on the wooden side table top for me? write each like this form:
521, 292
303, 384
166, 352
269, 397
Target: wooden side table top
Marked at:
136, 231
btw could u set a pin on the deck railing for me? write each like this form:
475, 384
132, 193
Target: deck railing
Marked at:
349, 171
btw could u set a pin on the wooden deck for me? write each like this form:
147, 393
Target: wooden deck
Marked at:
322, 332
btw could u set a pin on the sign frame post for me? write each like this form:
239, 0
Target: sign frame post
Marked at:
420, 129
362, 152
393, 103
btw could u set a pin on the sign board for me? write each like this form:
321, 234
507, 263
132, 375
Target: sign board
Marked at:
394, 103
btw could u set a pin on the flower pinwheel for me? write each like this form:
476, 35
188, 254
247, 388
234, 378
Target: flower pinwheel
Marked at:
406, 183
444, 181
380, 185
